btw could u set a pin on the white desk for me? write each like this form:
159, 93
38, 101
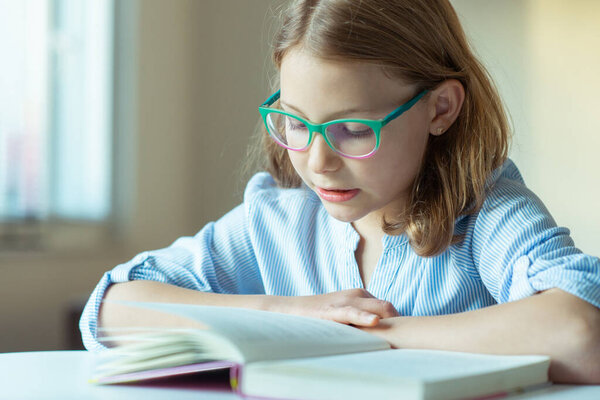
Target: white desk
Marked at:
64, 374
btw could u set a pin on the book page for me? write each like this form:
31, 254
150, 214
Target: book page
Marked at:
409, 364
262, 335
393, 374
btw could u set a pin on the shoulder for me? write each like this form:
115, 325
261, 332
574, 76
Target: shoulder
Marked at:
263, 197
510, 212
512, 216
506, 191
262, 186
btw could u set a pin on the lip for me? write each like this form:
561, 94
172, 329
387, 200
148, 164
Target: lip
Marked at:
336, 195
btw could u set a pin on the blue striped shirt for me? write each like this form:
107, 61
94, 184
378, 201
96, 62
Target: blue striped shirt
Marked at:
283, 242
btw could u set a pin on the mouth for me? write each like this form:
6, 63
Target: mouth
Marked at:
336, 195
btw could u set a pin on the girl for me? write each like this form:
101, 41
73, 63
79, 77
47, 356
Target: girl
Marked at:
389, 203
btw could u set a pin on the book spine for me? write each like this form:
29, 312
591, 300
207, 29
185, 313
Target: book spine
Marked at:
235, 376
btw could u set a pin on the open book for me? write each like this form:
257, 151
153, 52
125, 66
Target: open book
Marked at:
273, 355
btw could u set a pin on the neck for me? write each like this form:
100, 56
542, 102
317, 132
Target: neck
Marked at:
369, 228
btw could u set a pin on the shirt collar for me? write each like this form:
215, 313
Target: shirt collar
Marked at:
349, 238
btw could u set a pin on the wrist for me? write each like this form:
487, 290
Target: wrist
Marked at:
270, 303
388, 329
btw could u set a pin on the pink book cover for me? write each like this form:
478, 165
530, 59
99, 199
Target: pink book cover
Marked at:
158, 376
192, 378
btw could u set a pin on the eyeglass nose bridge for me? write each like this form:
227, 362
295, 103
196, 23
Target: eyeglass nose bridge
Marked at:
322, 130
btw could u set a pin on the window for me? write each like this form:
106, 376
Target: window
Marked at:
55, 115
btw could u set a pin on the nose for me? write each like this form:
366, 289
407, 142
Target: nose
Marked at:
321, 158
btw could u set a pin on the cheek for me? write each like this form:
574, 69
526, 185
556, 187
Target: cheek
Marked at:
408, 142
399, 161
296, 159
292, 155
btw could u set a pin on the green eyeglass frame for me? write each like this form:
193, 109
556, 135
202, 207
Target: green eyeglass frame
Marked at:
376, 124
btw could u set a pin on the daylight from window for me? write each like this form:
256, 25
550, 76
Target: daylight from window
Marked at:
55, 109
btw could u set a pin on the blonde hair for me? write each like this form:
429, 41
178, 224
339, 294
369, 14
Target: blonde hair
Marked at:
423, 43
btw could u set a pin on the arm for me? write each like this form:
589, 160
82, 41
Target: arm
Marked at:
355, 306
553, 323
114, 315
518, 251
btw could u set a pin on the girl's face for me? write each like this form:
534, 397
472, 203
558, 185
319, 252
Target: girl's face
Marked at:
321, 91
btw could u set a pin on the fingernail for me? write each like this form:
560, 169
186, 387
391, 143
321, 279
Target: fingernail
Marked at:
369, 319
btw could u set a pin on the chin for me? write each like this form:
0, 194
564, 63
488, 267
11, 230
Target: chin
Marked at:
338, 212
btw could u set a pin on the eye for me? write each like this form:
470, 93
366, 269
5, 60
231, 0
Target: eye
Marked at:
362, 132
353, 130
293, 123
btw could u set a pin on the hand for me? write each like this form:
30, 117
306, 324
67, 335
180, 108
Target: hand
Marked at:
354, 306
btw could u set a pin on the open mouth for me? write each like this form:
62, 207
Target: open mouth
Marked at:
336, 195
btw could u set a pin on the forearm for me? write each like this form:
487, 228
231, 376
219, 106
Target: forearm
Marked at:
115, 315
354, 306
553, 323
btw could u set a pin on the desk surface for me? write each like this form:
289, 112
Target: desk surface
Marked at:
64, 375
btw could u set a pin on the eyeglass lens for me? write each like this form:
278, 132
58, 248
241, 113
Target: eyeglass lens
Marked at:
349, 138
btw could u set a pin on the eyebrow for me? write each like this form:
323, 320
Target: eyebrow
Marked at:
333, 116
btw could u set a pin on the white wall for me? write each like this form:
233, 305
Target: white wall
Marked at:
233, 67
203, 70
545, 57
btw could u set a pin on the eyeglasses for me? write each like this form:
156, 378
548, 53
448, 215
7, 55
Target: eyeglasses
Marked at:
352, 138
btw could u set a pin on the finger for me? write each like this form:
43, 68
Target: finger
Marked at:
353, 316
357, 293
381, 308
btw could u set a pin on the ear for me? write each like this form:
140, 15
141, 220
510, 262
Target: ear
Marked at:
445, 103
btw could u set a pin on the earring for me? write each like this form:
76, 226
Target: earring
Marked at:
440, 130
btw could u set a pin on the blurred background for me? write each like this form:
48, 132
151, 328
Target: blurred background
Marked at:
124, 125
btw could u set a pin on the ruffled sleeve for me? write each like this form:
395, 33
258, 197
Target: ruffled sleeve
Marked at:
519, 250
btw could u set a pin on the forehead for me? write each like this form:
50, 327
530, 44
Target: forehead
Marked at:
312, 83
